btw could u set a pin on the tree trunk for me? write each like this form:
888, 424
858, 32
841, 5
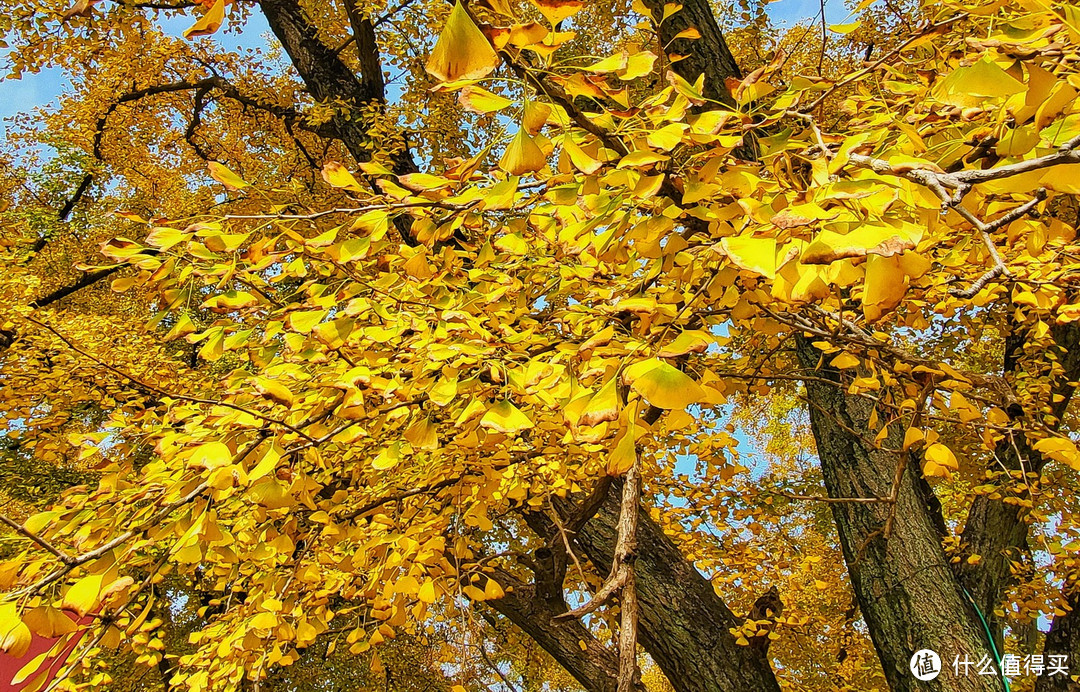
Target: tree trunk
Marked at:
683, 624
708, 55
568, 641
328, 78
1063, 639
906, 590
997, 531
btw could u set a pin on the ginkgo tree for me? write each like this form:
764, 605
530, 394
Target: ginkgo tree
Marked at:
369, 380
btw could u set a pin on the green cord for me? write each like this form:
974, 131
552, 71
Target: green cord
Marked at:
990, 638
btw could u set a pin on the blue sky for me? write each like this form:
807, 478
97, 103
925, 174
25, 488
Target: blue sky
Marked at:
43, 88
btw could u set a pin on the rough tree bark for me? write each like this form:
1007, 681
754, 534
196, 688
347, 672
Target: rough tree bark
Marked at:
1063, 639
684, 623
906, 590
997, 531
328, 77
708, 55
536, 611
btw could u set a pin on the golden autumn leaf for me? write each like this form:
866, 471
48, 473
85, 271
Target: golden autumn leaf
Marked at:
522, 155
506, 418
46, 621
968, 86
557, 10
829, 246
462, 51
580, 159
426, 593
662, 385
15, 636
338, 176
688, 341
84, 595
757, 255
1060, 448
603, 406
388, 458
274, 391
939, 460
479, 100
884, 286
623, 454
223, 175
209, 23
211, 455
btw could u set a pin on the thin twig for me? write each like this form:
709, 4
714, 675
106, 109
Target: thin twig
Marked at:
161, 392
835, 500
19, 528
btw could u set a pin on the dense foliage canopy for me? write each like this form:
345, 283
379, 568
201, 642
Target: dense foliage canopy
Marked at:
540, 345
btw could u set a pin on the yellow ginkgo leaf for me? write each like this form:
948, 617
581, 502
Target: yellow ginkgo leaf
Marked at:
1061, 449
335, 332
84, 595
557, 10
939, 460
305, 320
506, 418
493, 590
33, 666
209, 22
581, 160
512, 243
388, 458
423, 434
274, 391
338, 176
462, 51
226, 177
623, 454
885, 285
844, 29
970, 86
756, 255
534, 116
845, 361
603, 406
263, 621
211, 455
523, 155
478, 100
911, 437
426, 594
15, 636
662, 385
49, 622
689, 341
444, 391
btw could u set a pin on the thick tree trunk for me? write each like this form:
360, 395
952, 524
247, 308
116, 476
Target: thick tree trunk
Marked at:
1063, 639
906, 590
568, 641
328, 78
708, 55
683, 624
997, 531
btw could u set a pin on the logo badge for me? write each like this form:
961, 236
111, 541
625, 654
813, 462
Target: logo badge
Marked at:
925, 664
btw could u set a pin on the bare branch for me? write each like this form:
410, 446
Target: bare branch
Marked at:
19, 528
